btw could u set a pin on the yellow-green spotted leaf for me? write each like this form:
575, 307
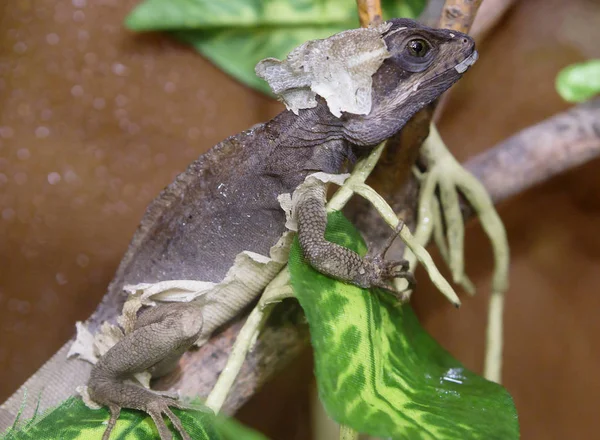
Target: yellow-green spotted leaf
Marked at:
237, 34
72, 420
380, 373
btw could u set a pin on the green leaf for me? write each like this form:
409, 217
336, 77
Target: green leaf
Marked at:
237, 34
231, 429
579, 82
380, 373
73, 420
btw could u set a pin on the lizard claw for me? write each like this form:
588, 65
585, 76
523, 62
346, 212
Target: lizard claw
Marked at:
397, 267
390, 270
384, 272
159, 407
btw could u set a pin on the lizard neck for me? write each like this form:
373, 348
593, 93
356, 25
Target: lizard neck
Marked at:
310, 128
293, 146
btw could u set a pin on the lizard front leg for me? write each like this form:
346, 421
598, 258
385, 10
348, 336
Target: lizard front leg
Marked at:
161, 335
337, 261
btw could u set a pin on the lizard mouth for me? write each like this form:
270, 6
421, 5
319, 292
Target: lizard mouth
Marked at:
460, 69
467, 62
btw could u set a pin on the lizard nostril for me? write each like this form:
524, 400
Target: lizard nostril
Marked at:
465, 40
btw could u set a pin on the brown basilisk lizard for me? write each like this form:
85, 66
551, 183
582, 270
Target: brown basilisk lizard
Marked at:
226, 203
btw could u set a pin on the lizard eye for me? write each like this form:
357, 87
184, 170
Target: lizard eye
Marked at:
415, 54
418, 47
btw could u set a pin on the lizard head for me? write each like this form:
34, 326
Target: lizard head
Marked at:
422, 64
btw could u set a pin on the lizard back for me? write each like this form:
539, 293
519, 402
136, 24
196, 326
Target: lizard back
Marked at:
223, 204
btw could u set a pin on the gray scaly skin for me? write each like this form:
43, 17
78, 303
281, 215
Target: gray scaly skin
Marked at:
226, 203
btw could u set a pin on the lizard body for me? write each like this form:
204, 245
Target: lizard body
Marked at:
226, 203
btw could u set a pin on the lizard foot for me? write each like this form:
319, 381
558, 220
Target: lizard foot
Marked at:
385, 271
155, 405
159, 407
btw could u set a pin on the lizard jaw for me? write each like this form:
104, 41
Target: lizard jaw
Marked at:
467, 62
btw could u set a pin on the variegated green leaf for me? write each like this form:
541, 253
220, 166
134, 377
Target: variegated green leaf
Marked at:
72, 420
237, 34
380, 373
579, 82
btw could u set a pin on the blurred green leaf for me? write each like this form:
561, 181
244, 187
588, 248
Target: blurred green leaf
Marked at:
380, 373
231, 429
579, 82
72, 420
237, 34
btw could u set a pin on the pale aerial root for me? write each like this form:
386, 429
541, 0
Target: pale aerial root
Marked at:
445, 172
430, 224
440, 241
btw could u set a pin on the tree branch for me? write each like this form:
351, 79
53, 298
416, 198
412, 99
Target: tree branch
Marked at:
540, 152
459, 14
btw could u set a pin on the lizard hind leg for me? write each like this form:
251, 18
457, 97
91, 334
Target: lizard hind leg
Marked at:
161, 336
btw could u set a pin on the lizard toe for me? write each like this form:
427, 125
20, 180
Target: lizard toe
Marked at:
115, 411
159, 407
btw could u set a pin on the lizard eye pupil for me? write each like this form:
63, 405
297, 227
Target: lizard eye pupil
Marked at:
418, 47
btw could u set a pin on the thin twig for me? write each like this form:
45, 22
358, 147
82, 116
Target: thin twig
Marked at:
488, 16
459, 14
369, 12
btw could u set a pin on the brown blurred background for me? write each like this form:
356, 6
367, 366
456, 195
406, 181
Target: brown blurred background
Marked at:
95, 121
